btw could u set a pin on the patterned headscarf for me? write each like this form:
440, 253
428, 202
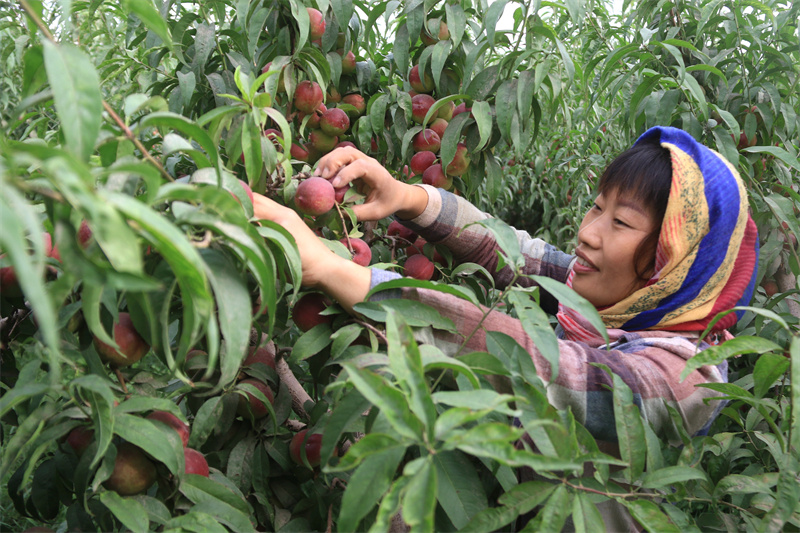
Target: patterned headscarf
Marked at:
707, 252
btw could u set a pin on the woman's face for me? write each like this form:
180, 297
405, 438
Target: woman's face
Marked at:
605, 271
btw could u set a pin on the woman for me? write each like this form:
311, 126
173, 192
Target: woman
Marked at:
667, 245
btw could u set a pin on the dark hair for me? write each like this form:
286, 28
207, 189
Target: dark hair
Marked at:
644, 173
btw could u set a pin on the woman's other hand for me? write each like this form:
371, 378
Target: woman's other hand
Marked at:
385, 195
340, 278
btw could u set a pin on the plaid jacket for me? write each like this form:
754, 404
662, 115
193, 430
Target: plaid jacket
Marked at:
650, 362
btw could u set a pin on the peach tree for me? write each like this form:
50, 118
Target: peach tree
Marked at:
163, 368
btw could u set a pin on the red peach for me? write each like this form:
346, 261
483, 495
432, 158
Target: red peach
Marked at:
420, 105
195, 462
306, 312
362, 255
421, 161
334, 121
435, 177
316, 27
427, 140
174, 422
315, 196
420, 82
419, 267
308, 96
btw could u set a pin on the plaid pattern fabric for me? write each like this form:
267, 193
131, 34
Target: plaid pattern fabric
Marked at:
650, 362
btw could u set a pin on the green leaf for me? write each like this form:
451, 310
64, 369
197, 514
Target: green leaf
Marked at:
459, 491
195, 521
367, 485
182, 257
516, 501
220, 501
419, 502
432, 359
234, 310
391, 401
346, 411
585, 516
554, 513
481, 111
630, 428
650, 516
367, 446
190, 129
537, 325
127, 510
491, 17
158, 440
416, 314
461, 292
76, 90
483, 84
768, 369
476, 399
778, 152
714, 355
20, 393
406, 364
312, 342
671, 475
574, 301
484, 363
452, 136
740, 484
786, 505
147, 13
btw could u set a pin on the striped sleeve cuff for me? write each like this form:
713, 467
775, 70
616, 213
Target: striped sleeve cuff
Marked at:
380, 276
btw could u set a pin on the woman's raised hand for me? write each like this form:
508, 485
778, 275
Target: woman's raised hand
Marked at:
340, 278
385, 195
314, 255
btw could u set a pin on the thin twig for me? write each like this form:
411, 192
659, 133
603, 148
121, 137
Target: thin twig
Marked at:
121, 381
378, 333
129, 134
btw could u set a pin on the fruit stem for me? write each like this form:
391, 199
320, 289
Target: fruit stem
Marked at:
121, 381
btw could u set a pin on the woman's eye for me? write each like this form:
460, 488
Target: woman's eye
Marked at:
619, 222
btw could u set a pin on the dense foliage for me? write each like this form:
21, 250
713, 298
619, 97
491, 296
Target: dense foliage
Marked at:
122, 122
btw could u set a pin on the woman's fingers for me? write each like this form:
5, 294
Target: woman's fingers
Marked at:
331, 163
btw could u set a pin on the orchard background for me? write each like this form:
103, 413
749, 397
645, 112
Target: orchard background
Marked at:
123, 121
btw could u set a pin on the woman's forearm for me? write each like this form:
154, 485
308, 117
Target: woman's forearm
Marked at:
346, 282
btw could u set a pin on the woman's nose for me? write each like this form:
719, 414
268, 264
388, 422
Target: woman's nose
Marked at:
590, 232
